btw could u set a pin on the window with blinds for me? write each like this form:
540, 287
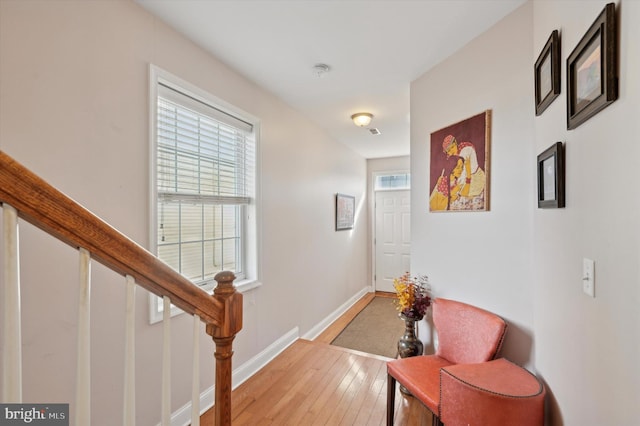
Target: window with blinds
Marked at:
205, 164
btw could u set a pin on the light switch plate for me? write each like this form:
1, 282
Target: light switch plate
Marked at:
588, 277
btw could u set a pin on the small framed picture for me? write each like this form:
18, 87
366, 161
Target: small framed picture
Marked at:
592, 70
551, 177
547, 73
345, 210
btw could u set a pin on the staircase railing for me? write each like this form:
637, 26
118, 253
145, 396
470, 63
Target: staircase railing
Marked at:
27, 196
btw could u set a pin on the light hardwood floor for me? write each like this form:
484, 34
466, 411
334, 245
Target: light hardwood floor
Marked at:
314, 383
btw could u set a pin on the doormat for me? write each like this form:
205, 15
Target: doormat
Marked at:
375, 330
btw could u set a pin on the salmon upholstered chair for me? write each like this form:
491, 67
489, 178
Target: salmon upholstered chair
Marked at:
466, 335
494, 393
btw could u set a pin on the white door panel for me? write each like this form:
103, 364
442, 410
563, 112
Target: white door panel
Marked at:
393, 237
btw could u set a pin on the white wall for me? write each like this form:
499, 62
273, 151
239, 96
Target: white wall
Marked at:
483, 258
525, 263
74, 109
587, 349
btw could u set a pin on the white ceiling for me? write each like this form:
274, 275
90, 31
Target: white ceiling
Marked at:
375, 49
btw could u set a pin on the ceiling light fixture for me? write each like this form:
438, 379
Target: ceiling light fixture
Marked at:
362, 119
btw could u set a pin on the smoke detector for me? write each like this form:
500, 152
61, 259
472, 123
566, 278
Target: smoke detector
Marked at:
374, 131
321, 69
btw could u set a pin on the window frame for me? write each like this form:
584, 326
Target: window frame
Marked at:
382, 174
250, 224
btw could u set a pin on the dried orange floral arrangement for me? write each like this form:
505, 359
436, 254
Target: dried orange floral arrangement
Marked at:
413, 296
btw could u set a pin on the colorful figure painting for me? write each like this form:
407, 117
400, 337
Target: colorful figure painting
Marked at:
459, 167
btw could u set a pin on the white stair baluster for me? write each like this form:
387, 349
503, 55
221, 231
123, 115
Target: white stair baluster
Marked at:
129, 416
83, 374
195, 381
12, 342
166, 362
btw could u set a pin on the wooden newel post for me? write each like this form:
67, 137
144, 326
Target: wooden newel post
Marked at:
223, 336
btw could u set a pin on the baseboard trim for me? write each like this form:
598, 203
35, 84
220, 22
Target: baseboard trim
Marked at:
322, 325
255, 364
182, 417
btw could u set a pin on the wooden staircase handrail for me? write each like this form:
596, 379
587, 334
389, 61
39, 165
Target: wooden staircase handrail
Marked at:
40, 204
45, 207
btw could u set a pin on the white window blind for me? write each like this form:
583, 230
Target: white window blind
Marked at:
205, 173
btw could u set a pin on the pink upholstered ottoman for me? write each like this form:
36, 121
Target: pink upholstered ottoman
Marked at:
494, 393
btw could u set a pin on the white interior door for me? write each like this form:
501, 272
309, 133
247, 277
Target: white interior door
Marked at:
392, 237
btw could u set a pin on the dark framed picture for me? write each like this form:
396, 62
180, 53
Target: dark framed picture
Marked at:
345, 210
547, 73
592, 70
551, 177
